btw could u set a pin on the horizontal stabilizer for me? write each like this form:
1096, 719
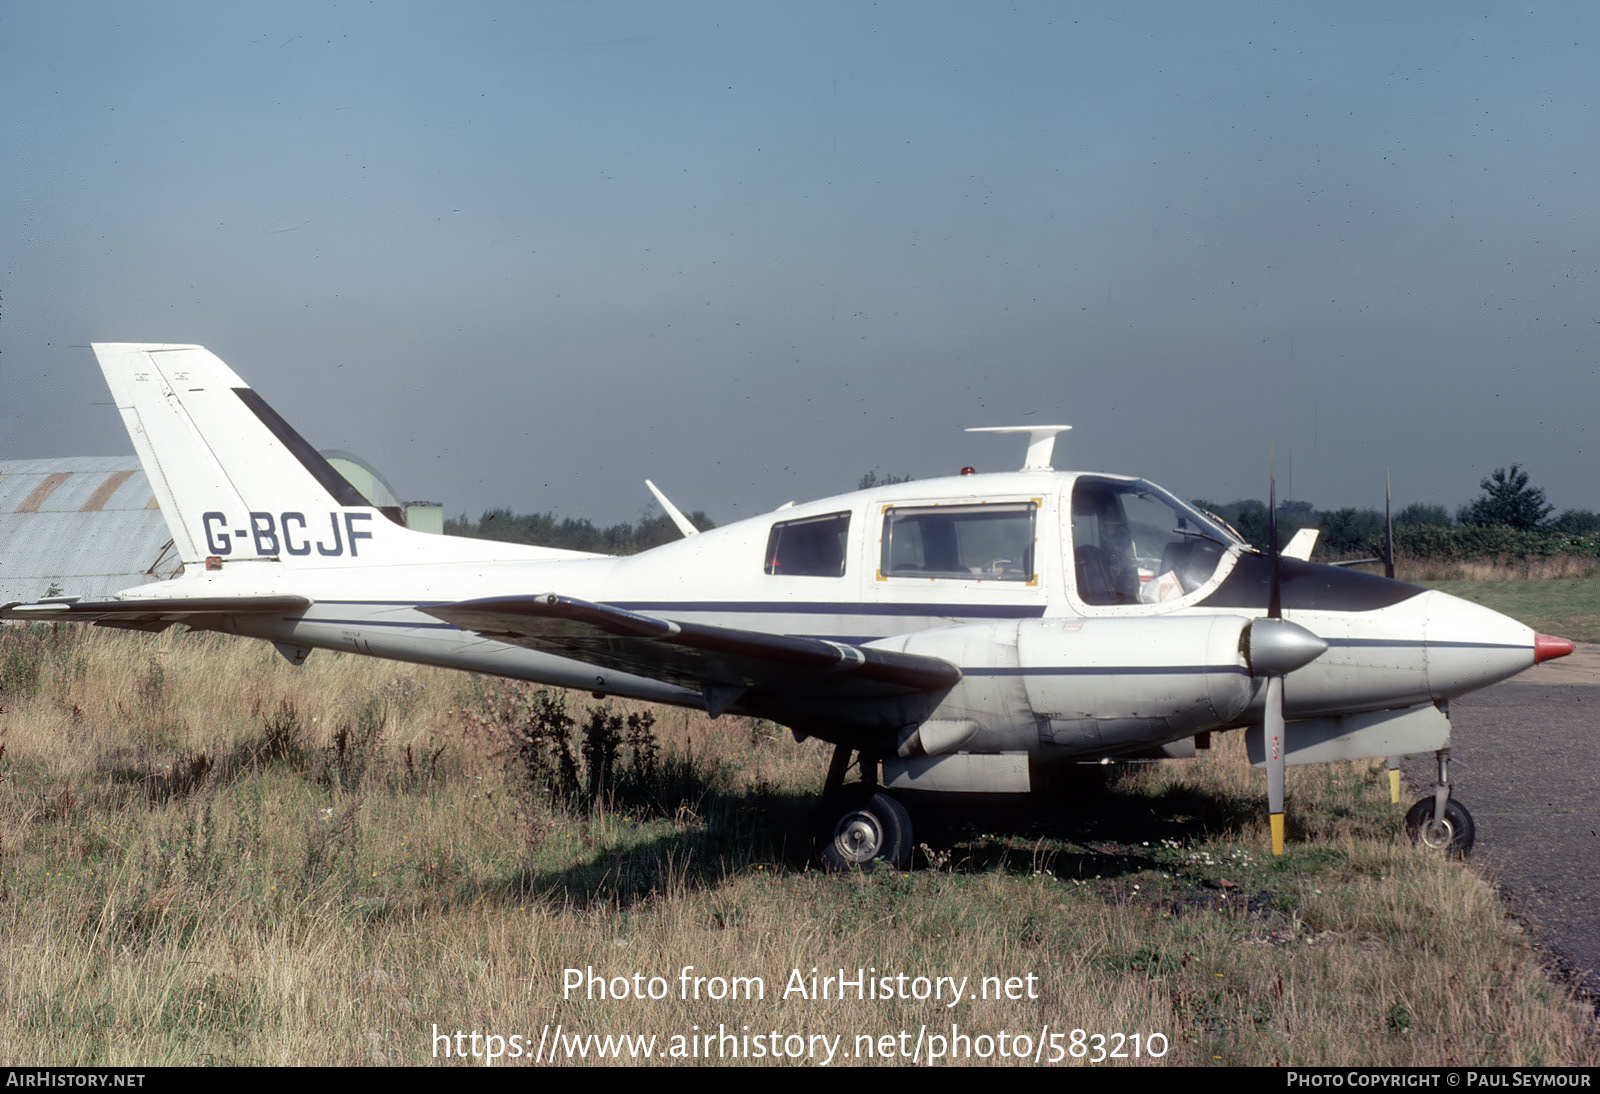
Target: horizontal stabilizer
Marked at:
695, 655
151, 614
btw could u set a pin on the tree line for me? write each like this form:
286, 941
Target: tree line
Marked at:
549, 530
1511, 517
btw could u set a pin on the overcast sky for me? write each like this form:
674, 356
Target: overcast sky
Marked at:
527, 254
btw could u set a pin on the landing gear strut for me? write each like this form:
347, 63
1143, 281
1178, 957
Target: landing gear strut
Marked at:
1440, 822
863, 823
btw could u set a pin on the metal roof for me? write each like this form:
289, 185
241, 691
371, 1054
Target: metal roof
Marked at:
84, 525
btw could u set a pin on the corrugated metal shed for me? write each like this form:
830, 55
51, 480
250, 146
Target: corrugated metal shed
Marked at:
89, 525
86, 525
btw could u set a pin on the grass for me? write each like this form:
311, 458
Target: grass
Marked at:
1498, 568
208, 856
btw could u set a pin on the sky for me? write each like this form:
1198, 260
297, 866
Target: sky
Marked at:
529, 254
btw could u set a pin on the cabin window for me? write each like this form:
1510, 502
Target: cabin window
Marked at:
1133, 543
813, 547
992, 542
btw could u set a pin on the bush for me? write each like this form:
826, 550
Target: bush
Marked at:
1472, 542
612, 758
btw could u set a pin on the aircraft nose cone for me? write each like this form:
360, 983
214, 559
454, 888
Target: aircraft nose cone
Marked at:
1547, 647
1470, 646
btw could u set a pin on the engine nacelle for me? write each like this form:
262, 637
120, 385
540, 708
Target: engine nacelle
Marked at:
1065, 687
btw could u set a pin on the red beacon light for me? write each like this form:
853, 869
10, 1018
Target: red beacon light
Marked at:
968, 471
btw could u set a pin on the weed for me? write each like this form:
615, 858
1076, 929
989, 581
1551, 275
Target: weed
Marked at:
762, 733
614, 757
355, 748
283, 740
622, 758
29, 652
331, 835
21, 660
541, 744
184, 776
1398, 1019
152, 685
422, 768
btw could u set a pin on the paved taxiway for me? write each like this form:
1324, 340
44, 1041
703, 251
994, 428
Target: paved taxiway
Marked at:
1524, 761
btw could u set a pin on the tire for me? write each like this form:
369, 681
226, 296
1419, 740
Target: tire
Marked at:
863, 826
1454, 837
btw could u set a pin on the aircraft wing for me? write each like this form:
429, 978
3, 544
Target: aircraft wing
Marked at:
151, 614
715, 660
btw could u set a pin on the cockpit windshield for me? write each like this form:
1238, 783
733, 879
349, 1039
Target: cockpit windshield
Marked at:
1135, 543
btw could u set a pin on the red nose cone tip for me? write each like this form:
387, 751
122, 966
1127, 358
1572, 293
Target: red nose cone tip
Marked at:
1546, 647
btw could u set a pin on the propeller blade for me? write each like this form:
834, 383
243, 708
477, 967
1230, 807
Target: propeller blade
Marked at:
1272, 723
1275, 648
1388, 532
1274, 601
1272, 729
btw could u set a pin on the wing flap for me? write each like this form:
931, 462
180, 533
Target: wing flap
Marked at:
151, 614
697, 655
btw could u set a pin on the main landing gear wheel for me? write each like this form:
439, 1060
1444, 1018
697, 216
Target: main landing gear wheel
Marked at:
863, 825
1453, 835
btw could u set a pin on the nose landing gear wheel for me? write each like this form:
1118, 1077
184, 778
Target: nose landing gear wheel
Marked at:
862, 826
1453, 835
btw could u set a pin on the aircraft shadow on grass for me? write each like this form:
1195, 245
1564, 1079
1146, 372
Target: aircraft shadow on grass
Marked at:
745, 833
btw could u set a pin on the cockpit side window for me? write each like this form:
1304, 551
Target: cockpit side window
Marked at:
813, 547
992, 542
1133, 543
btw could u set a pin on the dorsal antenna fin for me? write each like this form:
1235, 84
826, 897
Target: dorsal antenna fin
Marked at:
683, 523
1041, 442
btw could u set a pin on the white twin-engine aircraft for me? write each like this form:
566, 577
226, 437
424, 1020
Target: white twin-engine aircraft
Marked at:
972, 633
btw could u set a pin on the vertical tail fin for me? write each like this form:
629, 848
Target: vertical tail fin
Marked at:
236, 482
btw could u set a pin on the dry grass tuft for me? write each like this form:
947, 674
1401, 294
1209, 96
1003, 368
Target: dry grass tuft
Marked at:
1505, 568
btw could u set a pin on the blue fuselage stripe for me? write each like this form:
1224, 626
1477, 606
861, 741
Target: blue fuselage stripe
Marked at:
1428, 643
939, 612
416, 626
785, 607
1107, 670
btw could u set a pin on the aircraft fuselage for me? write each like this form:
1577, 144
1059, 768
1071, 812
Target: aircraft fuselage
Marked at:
1056, 661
